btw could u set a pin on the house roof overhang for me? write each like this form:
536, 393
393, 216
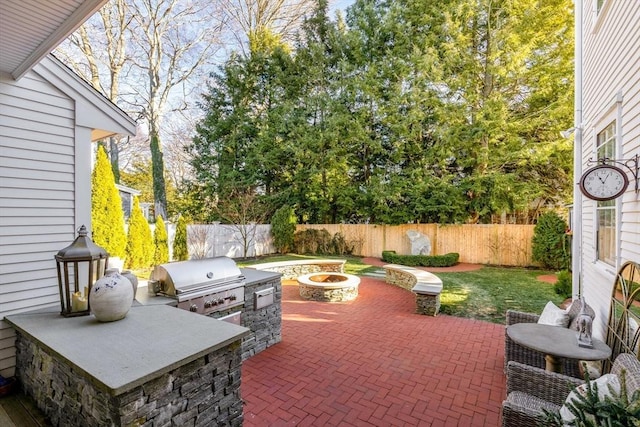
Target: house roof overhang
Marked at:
93, 110
31, 29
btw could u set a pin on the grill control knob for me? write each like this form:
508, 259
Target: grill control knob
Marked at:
193, 308
208, 304
233, 298
220, 301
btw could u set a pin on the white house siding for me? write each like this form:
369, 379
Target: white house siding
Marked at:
37, 213
611, 90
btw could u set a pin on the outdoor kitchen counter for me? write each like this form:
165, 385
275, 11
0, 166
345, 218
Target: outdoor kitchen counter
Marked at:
254, 276
119, 356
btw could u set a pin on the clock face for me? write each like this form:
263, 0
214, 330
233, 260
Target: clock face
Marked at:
604, 182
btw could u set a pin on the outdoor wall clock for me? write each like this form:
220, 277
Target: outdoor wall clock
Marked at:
604, 182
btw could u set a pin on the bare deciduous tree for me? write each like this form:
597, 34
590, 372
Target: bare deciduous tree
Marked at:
149, 49
279, 17
244, 212
198, 240
174, 39
102, 43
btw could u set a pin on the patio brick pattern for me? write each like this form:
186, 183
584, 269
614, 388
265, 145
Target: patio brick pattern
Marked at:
374, 362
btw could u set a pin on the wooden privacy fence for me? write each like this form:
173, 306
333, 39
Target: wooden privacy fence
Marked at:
496, 244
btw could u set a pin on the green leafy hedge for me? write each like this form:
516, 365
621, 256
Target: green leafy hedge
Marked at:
421, 260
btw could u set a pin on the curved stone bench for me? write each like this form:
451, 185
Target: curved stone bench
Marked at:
425, 285
290, 270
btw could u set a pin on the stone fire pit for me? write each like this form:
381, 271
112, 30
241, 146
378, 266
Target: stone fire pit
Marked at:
328, 286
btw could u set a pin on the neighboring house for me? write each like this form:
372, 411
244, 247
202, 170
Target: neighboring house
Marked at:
607, 124
48, 120
126, 196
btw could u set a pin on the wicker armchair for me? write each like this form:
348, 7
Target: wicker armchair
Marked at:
518, 353
530, 390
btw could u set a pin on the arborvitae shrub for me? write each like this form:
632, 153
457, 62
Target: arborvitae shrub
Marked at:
107, 218
160, 243
283, 228
139, 239
180, 250
551, 245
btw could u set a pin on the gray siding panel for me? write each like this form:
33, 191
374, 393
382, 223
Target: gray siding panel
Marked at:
37, 215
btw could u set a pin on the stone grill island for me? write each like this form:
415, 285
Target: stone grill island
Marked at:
158, 366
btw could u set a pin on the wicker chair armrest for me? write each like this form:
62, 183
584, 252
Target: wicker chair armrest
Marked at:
631, 366
549, 386
521, 317
514, 415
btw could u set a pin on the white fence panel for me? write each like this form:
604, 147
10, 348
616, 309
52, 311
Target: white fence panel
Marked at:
211, 240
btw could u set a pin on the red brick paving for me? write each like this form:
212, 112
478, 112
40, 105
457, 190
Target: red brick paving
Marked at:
373, 362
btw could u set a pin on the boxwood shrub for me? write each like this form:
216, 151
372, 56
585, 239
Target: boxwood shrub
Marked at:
446, 260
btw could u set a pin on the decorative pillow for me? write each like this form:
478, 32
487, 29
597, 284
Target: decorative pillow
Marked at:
608, 386
554, 315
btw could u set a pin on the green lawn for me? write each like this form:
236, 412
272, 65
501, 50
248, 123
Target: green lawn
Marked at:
488, 293
485, 294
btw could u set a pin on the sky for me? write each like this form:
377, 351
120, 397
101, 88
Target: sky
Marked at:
339, 4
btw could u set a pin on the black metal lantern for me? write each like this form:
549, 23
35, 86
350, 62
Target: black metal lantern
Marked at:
79, 265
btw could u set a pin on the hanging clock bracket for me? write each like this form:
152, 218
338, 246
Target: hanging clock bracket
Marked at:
632, 165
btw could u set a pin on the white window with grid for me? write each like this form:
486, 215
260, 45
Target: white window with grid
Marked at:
600, 8
606, 211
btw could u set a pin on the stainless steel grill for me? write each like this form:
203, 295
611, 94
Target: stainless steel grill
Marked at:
202, 286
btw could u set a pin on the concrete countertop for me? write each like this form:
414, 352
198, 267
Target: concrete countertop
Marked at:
119, 356
252, 275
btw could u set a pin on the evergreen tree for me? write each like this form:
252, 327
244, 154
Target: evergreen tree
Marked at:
283, 228
107, 218
550, 245
139, 241
161, 243
409, 111
180, 250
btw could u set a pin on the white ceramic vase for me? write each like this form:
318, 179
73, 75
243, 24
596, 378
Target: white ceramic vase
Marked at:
111, 296
133, 279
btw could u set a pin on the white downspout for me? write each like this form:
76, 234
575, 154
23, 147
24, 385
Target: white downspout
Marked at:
576, 249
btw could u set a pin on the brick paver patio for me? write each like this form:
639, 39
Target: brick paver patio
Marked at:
373, 362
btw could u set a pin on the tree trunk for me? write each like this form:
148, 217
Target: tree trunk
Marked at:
159, 192
114, 156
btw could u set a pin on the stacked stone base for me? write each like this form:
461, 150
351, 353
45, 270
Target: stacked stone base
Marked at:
204, 392
314, 293
428, 305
